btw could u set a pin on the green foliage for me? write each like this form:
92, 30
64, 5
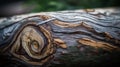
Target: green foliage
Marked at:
55, 5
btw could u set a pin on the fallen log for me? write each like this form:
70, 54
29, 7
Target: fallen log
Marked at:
32, 39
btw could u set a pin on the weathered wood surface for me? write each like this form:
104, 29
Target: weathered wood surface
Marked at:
33, 38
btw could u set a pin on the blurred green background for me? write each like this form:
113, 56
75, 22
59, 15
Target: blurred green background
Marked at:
56, 5
16, 7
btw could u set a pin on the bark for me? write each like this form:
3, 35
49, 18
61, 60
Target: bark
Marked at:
32, 39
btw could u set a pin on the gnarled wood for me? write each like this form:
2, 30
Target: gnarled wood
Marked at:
34, 39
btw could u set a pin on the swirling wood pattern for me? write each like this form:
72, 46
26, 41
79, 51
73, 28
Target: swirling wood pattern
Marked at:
33, 38
32, 44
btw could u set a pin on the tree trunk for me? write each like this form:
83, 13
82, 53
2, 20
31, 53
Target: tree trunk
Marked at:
74, 38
